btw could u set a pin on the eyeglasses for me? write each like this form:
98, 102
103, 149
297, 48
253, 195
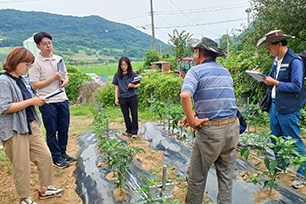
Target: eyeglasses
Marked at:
28, 65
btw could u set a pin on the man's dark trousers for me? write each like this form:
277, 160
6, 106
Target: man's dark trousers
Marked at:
56, 118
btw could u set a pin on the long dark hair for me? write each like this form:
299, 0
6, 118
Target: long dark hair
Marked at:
129, 70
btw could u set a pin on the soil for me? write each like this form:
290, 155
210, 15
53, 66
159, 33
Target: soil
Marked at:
63, 178
264, 194
120, 194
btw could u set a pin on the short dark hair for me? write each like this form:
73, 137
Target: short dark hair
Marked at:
284, 42
39, 36
208, 53
16, 56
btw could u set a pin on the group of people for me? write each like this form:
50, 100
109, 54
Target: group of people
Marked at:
217, 127
20, 131
214, 117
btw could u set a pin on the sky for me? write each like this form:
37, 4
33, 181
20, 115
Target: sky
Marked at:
209, 18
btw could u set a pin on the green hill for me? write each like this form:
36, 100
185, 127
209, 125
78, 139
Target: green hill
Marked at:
75, 36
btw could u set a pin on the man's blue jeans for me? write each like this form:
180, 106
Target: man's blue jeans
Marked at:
287, 125
56, 118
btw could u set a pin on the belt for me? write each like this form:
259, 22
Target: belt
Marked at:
218, 122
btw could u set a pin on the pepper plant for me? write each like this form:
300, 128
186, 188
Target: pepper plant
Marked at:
257, 142
148, 198
100, 122
284, 148
158, 108
175, 113
255, 116
118, 157
299, 161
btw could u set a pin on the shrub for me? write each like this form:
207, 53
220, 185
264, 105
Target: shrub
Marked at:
161, 85
72, 69
150, 56
173, 62
106, 95
75, 81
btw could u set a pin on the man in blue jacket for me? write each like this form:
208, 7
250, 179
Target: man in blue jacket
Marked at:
286, 90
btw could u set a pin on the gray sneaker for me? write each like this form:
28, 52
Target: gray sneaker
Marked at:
126, 133
28, 200
50, 192
298, 182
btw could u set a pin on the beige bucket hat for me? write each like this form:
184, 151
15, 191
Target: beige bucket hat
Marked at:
273, 36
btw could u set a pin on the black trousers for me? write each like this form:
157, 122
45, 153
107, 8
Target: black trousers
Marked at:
128, 104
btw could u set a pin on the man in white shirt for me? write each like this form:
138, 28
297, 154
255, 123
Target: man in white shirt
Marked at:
46, 78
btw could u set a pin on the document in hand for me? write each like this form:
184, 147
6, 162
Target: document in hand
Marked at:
58, 91
60, 67
256, 75
136, 80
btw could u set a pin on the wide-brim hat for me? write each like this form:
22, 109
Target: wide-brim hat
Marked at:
206, 44
273, 36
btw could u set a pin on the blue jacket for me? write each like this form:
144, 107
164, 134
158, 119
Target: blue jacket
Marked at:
291, 93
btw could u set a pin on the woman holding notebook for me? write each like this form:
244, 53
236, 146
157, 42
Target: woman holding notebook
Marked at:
126, 95
19, 128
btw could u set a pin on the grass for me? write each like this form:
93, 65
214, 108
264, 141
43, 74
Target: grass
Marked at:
108, 70
82, 110
115, 112
3, 156
5, 50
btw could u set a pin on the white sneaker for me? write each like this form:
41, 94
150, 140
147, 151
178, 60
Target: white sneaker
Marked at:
28, 200
298, 182
50, 192
134, 136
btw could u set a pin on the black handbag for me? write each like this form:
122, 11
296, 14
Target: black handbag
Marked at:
265, 104
242, 122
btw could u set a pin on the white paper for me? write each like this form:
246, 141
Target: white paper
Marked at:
58, 91
137, 79
256, 75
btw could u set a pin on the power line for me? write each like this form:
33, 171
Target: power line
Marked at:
191, 18
147, 14
17, 1
201, 10
217, 22
165, 21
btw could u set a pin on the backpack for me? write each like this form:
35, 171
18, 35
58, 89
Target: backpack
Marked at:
243, 124
303, 56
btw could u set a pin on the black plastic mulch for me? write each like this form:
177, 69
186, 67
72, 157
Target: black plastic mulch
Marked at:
93, 188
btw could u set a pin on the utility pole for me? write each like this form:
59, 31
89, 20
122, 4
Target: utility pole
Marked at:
152, 23
248, 11
227, 43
